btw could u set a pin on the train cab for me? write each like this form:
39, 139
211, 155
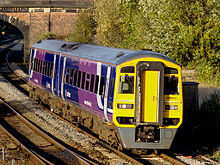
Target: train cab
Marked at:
148, 102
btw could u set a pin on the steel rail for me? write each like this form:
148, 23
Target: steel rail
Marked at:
170, 159
32, 153
80, 159
119, 153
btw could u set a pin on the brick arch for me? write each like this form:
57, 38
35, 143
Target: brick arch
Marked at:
20, 25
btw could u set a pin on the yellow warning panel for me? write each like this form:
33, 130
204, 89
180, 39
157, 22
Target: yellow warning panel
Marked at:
149, 111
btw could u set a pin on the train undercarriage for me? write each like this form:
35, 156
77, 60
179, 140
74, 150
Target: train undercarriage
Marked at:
78, 116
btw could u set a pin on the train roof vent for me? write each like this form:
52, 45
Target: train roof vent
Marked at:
68, 47
73, 46
63, 46
120, 54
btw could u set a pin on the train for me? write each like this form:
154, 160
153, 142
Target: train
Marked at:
131, 99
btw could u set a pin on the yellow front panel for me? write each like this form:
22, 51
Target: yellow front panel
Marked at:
149, 96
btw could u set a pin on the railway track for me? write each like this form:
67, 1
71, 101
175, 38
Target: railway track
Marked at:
13, 78
150, 159
37, 143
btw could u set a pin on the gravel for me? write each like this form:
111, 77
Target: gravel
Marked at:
55, 127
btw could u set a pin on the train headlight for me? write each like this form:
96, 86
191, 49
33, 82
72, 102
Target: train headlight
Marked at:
125, 106
171, 107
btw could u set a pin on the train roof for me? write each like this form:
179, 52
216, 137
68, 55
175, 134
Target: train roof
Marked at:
114, 56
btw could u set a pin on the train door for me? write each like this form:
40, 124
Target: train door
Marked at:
61, 76
149, 99
149, 95
55, 74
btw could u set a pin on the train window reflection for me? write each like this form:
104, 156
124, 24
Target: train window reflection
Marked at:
126, 84
101, 88
171, 85
127, 69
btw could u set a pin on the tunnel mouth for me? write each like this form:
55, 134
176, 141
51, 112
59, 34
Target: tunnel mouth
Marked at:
8, 33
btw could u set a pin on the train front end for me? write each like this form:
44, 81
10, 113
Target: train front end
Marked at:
148, 102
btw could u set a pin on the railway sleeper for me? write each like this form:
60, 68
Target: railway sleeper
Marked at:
78, 116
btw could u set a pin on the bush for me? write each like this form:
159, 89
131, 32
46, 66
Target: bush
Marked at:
49, 35
187, 31
84, 29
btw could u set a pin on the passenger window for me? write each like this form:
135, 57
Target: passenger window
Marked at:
111, 88
44, 67
83, 80
171, 85
96, 83
101, 88
92, 82
40, 66
168, 70
36, 65
67, 76
47, 71
51, 69
79, 79
126, 85
37, 69
127, 69
87, 81
71, 76
75, 77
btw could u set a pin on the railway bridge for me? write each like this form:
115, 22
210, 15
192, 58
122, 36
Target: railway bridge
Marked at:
36, 17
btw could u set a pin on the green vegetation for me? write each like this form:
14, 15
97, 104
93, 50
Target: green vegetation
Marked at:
84, 29
187, 31
49, 35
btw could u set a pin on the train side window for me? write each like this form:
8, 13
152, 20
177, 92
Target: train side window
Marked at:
171, 85
51, 69
48, 69
75, 77
79, 79
83, 80
37, 69
96, 83
36, 65
127, 69
111, 88
87, 81
40, 66
67, 75
126, 85
71, 76
101, 88
43, 72
92, 82
168, 70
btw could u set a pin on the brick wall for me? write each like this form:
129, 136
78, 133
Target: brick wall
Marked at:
60, 23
